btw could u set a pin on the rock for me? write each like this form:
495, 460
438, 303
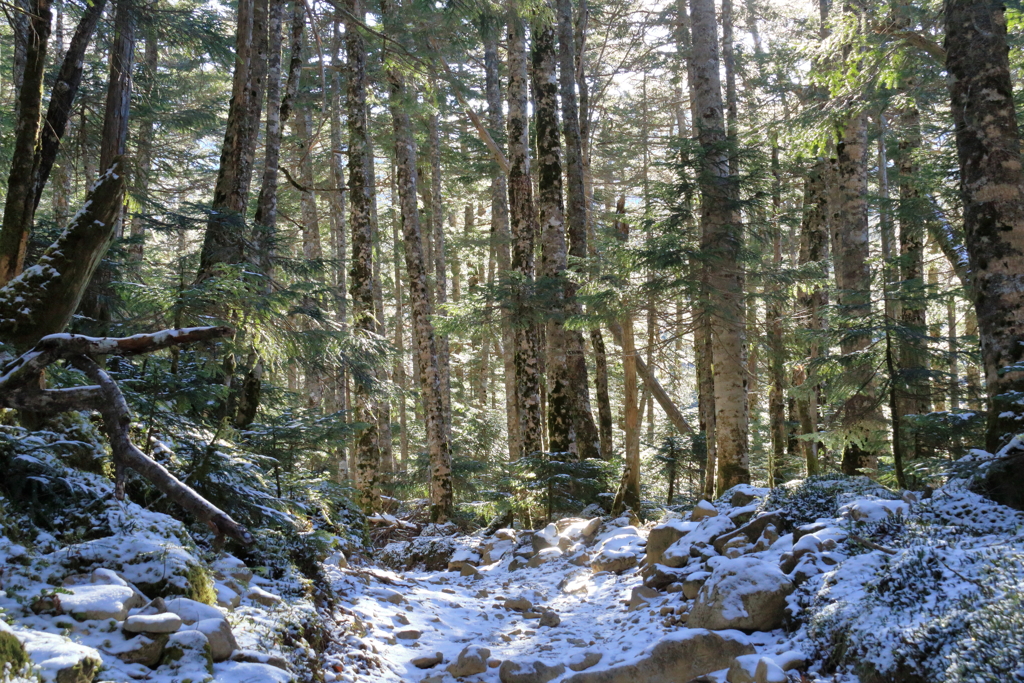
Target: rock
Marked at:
807, 545
736, 546
613, 563
229, 565
100, 601
409, 634
769, 672
750, 531
807, 529
742, 593
168, 622
518, 604
544, 556
790, 660
742, 669
12, 652
693, 583
506, 534
741, 516
469, 570
640, 596
534, 672
337, 559
154, 606
472, 660
227, 597
145, 650
427, 661
107, 577
545, 538
191, 611
254, 657
262, 597
60, 659
584, 661
187, 655
401, 619
462, 557
590, 530
741, 498
550, 619
660, 538
702, 510
681, 656
218, 634
493, 663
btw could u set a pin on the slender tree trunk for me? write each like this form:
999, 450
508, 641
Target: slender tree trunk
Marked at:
17, 221
366, 453
776, 345
224, 240
436, 237
604, 404
400, 377
144, 151
523, 219
988, 147
722, 240
628, 494
438, 447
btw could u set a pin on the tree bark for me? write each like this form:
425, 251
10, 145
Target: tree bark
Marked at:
438, 446
144, 149
524, 227
988, 148
19, 204
722, 240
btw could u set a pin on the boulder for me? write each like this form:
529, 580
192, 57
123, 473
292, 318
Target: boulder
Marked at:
534, 672
463, 557
167, 622
254, 657
741, 497
702, 510
681, 656
640, 596
144, 649
469, 570
263, 597
582, 662
227, 597
742, 669
544, 556
807, 529
693, 583
518, 604
659, 576
545, 538
791, 659
769, 672
550, 619
660, 538
427, 661
191, 611
337, 559
218, 634
590, 529
751, 531
471, 661
409, 634
60, 659
506, 535
187, 655
742, 593
615, 563
100, 601
231, 566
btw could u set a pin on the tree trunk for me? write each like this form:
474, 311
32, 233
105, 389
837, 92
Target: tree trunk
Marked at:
604, 404
224, 241
988, 148
438, 446
524, 227
861, 421
17, 222
776, 346
366, 455
436, 237
144, 151
722, 240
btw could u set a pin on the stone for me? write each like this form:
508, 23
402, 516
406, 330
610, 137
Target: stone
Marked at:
219, 636
227, 597
192, 611
518, 604
550, 619
769, 672
807, 529
581, 559
534, 672
589, 531
791, 660
168, 622
154, 606
409, 634
263, 597
107, 577
471, 661
750, 531
427, 661
585, 661
143, 649
337, 559
741, 498
469, 570
545, 538
60, 659
493, 663
544, 556
615, 564
681, 656
505, 534
187, 655
736, 546
692, 584
401, 619
660, 538
742, 669
100, 601
229, 565
743, 593
254, 657
702, 510
640, 596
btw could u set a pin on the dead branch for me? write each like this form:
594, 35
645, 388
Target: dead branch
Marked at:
20, 389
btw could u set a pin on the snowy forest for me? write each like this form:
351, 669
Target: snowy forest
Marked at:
572, 341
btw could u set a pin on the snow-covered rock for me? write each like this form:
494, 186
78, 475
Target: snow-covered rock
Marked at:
471, 661
218, 634
168, 622
192, 611
533, 672
59, 659
100, 601
743, 593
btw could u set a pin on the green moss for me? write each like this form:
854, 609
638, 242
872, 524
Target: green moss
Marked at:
83, 672
11, 652
200, 584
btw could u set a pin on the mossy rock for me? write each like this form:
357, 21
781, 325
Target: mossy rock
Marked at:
82, 672
188, 656
191, 580
11, 650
